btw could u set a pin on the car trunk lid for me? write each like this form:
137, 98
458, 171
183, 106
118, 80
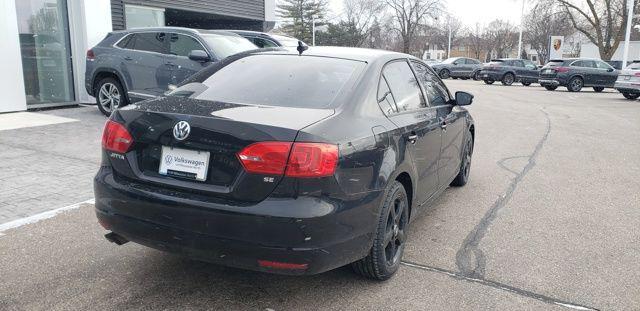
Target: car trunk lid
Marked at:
218, 131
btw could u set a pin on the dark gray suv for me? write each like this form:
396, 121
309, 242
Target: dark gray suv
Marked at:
510, 70
138, 64
576, 73
458, 67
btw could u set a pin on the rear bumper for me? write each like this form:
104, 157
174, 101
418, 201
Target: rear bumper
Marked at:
627, 87
279, 230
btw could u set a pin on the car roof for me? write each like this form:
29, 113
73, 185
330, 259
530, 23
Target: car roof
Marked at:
360, 54
179, 30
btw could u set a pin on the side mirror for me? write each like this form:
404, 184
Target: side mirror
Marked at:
199, 56
463, 98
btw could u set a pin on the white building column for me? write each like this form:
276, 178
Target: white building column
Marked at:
89, 23
12, 79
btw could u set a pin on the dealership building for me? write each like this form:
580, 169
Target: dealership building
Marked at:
45, 41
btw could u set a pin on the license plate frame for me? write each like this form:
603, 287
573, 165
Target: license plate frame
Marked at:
184, 163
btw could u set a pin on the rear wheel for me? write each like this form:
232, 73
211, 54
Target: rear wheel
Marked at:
630, 96
465, 164
551, 87
575, 84
489, 81
598, 89
388, 246
445, 74
109, 96
508, 79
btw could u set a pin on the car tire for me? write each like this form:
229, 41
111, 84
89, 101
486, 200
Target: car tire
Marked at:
575, 84
598, 89
109, 95
445, 74
508, 79
465, 163
630, 96
526, 83
390, 237
454, 78
550, 87
476, 76
489, 81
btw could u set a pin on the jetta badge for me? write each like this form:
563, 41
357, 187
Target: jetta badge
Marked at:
181, 130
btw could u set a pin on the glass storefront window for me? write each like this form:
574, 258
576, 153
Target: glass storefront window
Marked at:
43, 27
139, 16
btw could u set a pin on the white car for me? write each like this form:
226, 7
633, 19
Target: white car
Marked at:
628, 82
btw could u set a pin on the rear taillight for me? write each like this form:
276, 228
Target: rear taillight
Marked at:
303, 160
562, 69
116, 138
312, 160
91, 55
637, 74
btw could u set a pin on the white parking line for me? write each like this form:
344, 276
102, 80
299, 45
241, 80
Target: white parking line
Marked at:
38, 217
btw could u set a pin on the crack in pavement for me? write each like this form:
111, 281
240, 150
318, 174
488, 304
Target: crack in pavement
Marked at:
501, 286
470, 259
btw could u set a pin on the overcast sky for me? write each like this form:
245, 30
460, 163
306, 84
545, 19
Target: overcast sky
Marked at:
470, 12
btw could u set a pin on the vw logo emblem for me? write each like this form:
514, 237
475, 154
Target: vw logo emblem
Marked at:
181, 130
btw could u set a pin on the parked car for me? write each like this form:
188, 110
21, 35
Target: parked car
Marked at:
628, 82
133, 65
510, 70
576, 73
267, 40
616, 64
324, 170
458, 67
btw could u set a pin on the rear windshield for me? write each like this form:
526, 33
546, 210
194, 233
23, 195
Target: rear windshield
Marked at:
553, 63
226, 45
281, 80
634, 66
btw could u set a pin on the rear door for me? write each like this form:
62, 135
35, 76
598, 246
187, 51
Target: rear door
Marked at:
531, 71
460, 67
607, 75
586, 69
145, 64
519, 69
418, 125
180, 45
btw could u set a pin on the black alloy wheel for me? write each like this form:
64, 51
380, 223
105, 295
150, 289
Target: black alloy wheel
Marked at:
388, 247
445, 74
631, 96
508, 79
575, 84
465, 163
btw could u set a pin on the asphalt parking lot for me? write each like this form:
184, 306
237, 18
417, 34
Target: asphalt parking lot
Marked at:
550, 220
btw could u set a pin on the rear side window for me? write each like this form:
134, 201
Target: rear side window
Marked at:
264, 43
583, 63
472, 61
404, 86
281, 80
126, 42
602, 65
150, 42
436, 92
385, 98
517, 63
182, 45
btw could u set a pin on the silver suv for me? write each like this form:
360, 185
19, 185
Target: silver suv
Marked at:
133, 65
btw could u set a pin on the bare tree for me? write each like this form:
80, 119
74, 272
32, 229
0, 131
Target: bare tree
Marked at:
476, 41
603, 22
501, 38
360, 15
409, 14
545, 20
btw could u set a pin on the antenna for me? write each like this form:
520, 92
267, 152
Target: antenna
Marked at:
301, 47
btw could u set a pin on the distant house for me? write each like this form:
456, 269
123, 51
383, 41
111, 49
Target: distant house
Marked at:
433, 51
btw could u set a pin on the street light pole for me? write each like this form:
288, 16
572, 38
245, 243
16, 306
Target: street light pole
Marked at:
627, 36
521, 27
449, 48
313, 30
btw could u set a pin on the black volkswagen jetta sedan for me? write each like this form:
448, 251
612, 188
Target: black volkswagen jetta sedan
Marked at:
286, 163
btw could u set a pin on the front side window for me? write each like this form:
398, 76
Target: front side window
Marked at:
529, 64
182, 45
518, 63
150, 42
404, 86
436, 92
472, 61
602, 65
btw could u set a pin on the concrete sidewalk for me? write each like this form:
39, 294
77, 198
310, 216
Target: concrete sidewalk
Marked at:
47, 159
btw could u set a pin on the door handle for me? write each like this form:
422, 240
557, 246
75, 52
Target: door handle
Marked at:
128, 58
412, 138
